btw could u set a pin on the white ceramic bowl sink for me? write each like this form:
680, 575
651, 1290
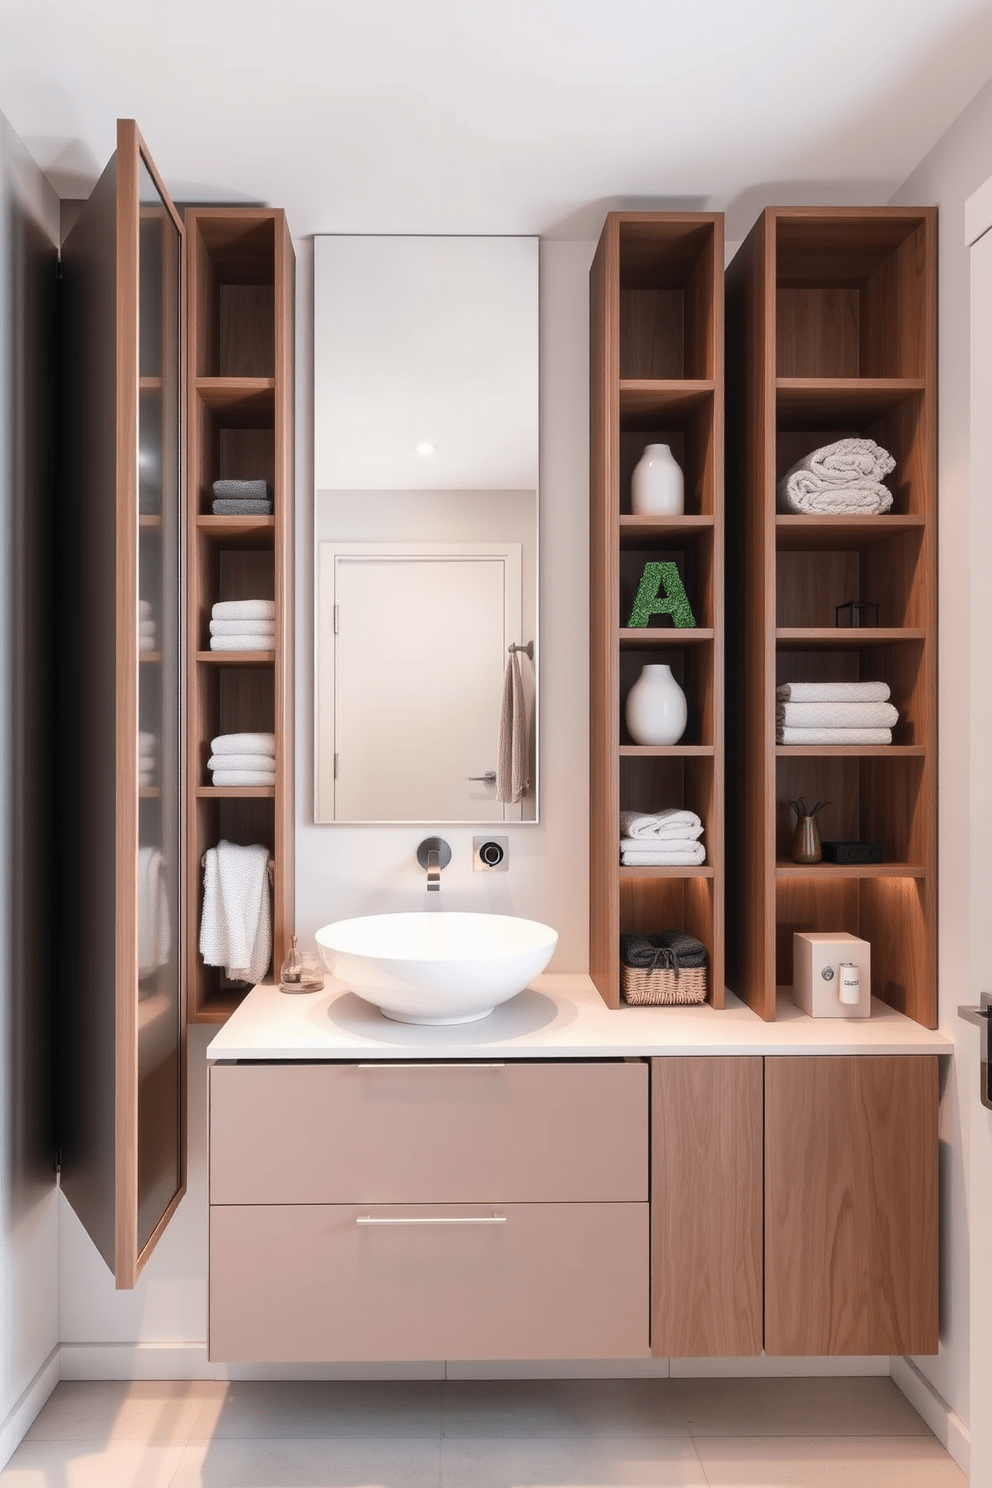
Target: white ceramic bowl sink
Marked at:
446, 967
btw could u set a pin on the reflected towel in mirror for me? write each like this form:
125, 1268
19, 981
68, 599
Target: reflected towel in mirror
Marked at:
511, 755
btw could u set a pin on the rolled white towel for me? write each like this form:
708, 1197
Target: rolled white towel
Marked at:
671, 822
244, 777
243, 627
241, 762
241, 643
690, 855
833, 692
786, 735
244, 609
803, 495
845, 476
848, 460
837, 715
244, 744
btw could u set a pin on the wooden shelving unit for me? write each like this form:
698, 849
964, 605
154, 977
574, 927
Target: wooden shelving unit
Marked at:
657, 377
240, 421
832, 333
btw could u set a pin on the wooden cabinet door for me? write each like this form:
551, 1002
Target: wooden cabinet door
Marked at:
122, 1015
851, 1205
706, 1206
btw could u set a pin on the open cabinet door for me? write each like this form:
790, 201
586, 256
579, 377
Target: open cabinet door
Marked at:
122, 1024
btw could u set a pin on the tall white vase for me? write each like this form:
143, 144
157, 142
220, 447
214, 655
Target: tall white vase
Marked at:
657, 488
656, 710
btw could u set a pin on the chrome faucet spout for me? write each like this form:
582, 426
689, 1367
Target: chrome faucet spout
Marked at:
434, 854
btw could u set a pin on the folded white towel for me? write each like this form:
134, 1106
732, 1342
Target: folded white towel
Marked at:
244, 744
845, 476
147, 627
145, 611
241, 643
243, 627
837, 715
154, 940
671, 822
833, 735
660, 844
147, 743
512, 775
146, 643
244, 777
241, 762
690, 854
236, 924
146, 777
833, 692
244, 609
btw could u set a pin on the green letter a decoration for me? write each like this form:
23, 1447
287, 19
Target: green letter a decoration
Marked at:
660, 592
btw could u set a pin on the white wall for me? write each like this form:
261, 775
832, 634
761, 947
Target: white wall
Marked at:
29, 223
954, 168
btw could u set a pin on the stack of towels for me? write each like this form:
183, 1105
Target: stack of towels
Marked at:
147, 758
241, 498
243, 759
655, 838
839, 478
243, 625
834, 713
147, 629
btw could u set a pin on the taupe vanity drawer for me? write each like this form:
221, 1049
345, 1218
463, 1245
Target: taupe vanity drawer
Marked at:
422, 1134
517, 1281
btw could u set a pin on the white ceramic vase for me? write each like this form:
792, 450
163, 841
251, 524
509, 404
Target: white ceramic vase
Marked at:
656, 710
656, 487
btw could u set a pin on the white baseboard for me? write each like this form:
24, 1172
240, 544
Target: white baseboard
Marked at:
17, 1420
946, 1425
766, 1367
188, 1361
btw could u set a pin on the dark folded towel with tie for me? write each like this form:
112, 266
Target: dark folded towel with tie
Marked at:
670, 950
242, 490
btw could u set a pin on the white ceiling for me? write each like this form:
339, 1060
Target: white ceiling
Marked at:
510, 116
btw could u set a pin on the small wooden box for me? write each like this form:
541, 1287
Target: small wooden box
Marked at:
817, 960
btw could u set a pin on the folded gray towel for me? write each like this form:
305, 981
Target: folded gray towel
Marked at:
236, 506
671, 948
242, 490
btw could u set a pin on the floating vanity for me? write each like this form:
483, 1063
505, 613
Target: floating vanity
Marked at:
564, 1181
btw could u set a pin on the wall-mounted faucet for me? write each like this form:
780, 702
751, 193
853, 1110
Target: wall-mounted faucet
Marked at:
433, 854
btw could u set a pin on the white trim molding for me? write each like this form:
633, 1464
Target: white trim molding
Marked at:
978, 213
946, 1425
18, 1420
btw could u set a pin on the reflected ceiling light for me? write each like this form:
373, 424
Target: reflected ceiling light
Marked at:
424, 447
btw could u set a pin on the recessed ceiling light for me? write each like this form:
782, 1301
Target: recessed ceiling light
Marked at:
425, 447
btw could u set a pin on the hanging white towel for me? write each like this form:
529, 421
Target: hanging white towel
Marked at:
154, 943
244, 609
511, 754
236, 924
244, 744
669, 823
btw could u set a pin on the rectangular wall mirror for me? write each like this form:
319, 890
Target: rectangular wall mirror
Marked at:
425, 526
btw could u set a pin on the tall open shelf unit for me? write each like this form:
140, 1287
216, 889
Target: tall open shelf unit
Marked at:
832, 333
241, 275
657, 377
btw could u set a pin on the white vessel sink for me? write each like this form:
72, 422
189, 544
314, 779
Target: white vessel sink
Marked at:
436, 968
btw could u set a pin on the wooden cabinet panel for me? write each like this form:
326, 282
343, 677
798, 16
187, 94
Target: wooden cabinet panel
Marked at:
420, 1133
851, 1205
706, 1220
307, 1282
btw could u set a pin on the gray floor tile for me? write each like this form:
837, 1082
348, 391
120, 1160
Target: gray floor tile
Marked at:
323, 1408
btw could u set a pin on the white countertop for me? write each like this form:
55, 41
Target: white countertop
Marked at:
558, 1016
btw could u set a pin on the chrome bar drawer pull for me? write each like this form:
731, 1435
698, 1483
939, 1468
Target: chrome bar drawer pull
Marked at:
441, 1219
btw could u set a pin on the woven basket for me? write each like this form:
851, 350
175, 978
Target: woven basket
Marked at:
662, 986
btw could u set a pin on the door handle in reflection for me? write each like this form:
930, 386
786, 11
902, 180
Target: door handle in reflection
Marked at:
982, 1015
439, 1219
488, 779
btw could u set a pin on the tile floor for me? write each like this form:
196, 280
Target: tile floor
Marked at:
786, 1433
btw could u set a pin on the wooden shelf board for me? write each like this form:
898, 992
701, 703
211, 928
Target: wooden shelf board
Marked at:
218, 1008
149, 792
666, 870
840, 638
246, 530
149, 658
236, 658
236, 792
690, 751
644, 402
664, 636
149, 384
147, 522
840, 534
682, 527
832, 751
803, 402
231, 395
787, 869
